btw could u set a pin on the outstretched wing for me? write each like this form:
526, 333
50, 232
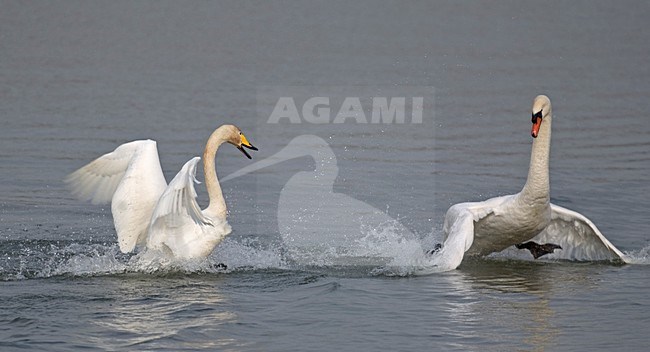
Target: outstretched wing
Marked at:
177, 221
579, 238
131, 179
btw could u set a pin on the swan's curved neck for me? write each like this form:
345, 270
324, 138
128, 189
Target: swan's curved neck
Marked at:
217, 206
537, 187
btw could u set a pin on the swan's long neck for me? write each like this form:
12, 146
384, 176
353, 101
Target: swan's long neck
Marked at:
537, 188
217, 205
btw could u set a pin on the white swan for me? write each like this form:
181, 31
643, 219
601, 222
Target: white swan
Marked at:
481, 228
147, 211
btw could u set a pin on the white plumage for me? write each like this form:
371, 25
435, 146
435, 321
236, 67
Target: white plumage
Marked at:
481, 228
148, 212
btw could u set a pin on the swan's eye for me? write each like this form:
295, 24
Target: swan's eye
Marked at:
536, 116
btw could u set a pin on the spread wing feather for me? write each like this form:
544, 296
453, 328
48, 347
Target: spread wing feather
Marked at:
131, 179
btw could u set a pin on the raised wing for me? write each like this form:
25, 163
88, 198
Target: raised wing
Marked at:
178, 201
177, 222
579, 238
459, 227
131, 179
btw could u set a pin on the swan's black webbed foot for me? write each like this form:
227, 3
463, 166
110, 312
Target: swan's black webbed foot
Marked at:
435, 249
220, 266
538, 250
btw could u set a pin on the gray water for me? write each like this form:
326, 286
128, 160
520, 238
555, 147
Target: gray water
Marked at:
79, 78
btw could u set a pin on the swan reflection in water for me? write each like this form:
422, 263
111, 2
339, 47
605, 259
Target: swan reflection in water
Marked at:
500, 301
163, 313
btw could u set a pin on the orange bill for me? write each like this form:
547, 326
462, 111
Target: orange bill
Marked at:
536, 124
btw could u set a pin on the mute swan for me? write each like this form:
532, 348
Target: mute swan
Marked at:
308, 206
481, 228
147, 211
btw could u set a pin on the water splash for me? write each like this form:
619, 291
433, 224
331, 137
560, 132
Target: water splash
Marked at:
641, 256
87, 260
44, 259
382, 250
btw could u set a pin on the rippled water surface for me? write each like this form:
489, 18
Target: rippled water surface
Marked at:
79, 78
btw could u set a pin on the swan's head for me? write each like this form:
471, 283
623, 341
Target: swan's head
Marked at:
541, 111
235, 137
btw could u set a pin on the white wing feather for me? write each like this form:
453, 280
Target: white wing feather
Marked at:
177, 222
131, 179
178, 201
459, 229
579, 238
